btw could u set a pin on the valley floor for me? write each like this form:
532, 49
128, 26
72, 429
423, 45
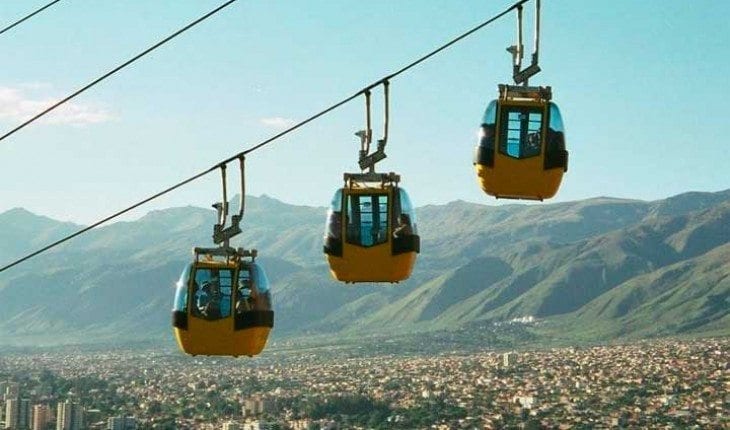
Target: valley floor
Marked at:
668, 383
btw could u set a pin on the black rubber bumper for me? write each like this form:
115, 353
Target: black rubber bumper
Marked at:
252, 319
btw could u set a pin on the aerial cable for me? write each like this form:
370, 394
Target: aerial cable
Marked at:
271, 139
109, 218
383, 80
116, 69
29, 16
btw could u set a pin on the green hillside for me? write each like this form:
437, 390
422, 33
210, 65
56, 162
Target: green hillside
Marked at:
593, 270
691, 296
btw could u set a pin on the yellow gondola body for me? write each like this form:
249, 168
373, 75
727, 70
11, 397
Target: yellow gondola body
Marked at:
521, 153
243, 320
379, 230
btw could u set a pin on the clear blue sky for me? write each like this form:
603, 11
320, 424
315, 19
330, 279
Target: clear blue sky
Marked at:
642, 87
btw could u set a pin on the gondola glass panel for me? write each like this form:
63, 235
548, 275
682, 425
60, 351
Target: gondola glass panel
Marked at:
212, 291
263, 293
555, 154
407, 210
521, 137
367, 219
181, 291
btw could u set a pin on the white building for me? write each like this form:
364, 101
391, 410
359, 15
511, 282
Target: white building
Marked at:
11, 414
509, 359
256, 405
17, 414
231, 425
69, 416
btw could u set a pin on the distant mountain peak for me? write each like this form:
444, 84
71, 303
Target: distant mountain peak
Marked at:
17, 212
23, 216
479, 263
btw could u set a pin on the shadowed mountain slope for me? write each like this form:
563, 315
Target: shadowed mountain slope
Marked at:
600, 262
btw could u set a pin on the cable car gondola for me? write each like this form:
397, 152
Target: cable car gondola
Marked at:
371, 233
521, 152
377, 238
223, 302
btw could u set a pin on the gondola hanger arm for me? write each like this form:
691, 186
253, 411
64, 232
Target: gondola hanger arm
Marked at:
366, 159
520, 75
222, 234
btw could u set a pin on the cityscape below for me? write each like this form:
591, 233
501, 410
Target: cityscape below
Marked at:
649, 384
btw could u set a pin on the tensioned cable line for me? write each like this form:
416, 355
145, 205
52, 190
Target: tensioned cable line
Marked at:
29, 16
269, 140
116, 69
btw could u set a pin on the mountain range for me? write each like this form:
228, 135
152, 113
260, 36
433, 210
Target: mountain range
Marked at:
592, 270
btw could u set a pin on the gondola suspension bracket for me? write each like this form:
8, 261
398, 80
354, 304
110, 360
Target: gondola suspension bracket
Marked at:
367, 160
222, 234
520, 75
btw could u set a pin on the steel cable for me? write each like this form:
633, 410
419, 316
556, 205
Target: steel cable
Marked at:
115, 70
271, 139
29, 16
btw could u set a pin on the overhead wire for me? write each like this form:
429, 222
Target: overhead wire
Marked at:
115, 70
29, 16
271, 139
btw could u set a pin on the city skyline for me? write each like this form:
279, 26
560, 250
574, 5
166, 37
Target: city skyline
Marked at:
634, 385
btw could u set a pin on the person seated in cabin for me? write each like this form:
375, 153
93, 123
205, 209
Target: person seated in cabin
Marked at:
334, 226
487, 136
555, 140
244, 302
533, 144
209, 302
403, 228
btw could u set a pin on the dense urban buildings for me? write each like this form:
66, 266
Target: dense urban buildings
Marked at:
661, 384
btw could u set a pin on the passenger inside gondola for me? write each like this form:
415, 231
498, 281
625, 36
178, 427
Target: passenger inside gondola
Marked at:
334, 224
521, 137
245, 299
212, 293
210, 304
404, 227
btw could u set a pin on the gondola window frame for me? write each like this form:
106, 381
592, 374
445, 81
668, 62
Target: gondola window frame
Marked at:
353, 224
524, 129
